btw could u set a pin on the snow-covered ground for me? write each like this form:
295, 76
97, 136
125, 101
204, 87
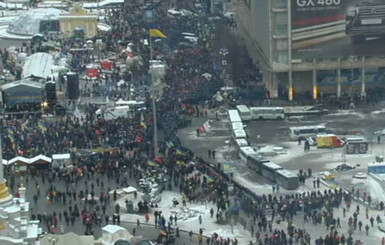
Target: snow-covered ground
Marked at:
189, 217
293, 157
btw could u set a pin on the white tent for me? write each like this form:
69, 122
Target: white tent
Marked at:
61, 160
113, 233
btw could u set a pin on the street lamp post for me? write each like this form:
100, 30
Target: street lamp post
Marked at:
224, 52
155, 139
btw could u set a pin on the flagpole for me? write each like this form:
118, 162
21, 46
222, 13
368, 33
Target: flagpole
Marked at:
153, 102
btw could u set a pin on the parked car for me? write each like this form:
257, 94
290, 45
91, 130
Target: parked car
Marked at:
364, 20
344, 167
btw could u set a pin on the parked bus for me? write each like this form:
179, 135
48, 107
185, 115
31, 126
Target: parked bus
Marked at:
241, 143
287, 179
260, 113
255, 162
234, 116
237, 126
269, 170
302, 132
244, 112
239, 134
246, 151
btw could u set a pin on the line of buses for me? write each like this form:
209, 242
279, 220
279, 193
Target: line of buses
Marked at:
260, 113
271, 171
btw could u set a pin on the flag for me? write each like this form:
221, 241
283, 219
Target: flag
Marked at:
180, 163
179, 151
42, 126
11, 138
138, 139
142, 122
157, 33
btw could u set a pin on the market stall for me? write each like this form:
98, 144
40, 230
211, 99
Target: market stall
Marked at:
40, 162
61, 161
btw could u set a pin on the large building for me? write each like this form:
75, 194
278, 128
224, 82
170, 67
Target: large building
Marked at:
315, 47
79, 18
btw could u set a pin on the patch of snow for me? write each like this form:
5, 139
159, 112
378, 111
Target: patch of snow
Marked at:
378, 112
346, 113
191, 217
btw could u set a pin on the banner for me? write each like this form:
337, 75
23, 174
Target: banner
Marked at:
337, 28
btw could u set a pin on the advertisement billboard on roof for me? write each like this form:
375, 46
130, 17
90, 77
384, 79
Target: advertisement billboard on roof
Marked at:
337, 28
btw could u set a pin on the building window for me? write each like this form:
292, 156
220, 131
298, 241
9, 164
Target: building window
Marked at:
281, 45
281, 30
280, 18
281, 4
281, 57
247, 3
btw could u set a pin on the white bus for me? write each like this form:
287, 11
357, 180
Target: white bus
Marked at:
245, 152
234, 116
260, 113
239, 134
241, 143
269, 170
237, 126
244, 112
303, 132
255, 162
136, 105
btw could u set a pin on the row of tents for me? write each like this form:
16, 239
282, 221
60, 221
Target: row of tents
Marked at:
21, 163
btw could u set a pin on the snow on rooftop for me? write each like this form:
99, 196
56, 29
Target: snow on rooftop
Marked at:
102, 3
29, 22
38, 65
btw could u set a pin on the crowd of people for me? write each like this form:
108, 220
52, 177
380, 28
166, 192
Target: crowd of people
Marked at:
85, 194
35, 136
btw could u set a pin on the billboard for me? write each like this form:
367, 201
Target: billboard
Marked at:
337, 28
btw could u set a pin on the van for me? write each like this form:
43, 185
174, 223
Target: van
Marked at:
302, 132
329, 140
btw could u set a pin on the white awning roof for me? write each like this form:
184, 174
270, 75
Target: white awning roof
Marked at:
61, 156
25, 82
38, 65
40, 157
19, 158
112, 228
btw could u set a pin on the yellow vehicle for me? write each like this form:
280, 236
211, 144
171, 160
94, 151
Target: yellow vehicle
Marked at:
329, 140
